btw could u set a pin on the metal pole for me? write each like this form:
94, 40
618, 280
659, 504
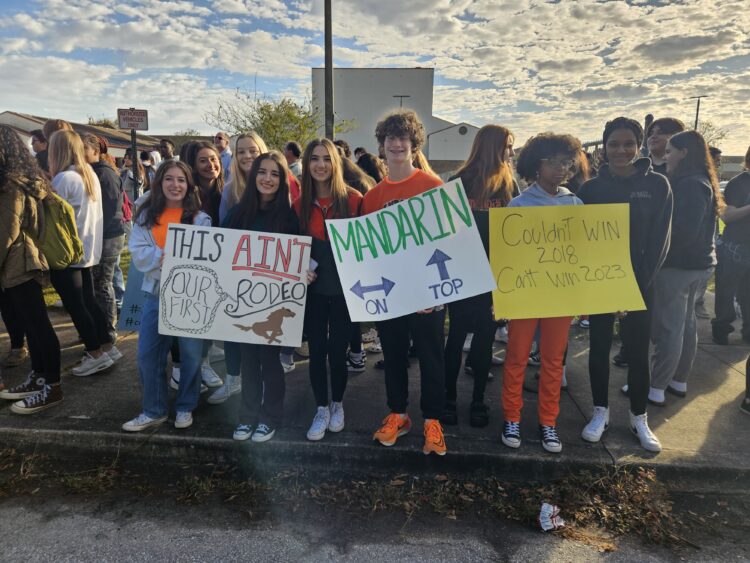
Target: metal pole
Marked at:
329, 72
134, 151
697, 112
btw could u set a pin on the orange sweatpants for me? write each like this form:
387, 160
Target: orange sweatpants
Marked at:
552, 343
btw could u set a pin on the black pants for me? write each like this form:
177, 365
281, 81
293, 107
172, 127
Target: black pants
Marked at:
355, 342
27, 302
328, 327
13, 322
427, 334
76, 289
263, 385
732, 280
635, 333
469, 315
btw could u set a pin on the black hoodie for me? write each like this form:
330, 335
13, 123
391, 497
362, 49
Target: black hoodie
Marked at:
693, 224
111, 199
650, 199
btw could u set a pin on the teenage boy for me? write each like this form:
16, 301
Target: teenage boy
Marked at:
657, 135
400, 136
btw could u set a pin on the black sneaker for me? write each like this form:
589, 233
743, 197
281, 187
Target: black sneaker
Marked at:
535, 359
550, 440
449, 416
479, 415
49, 396
33, 384
620, 361
511, 436
380, 364
745, 405
353, 364
263, 432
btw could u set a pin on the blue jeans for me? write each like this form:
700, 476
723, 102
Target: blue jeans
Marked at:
152, 363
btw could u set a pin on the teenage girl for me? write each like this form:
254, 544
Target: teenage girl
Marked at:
327, 323
488, 180
174, 200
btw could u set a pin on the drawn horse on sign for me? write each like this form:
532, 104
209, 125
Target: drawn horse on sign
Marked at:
270, 329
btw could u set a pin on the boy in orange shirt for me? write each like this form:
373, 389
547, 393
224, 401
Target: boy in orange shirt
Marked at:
400, 136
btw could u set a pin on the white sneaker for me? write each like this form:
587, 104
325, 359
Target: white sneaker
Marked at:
287, 362
336, 423
501, 335
209, 377
319, 424
499, 358
656, 396
184, 419
467, 342
598, 424
90, 365
114, 353
370, 336
141, 422
174, 381
216, 353
639, 427
232, 386
242, 432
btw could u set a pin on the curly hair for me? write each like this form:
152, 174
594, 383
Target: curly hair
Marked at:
545, 145
403, 123
17, 165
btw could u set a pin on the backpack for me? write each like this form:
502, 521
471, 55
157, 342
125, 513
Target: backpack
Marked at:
127, 208
58, 234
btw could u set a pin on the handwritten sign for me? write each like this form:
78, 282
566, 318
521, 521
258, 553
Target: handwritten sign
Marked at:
132, 301
413, 255
562, 261
240, 286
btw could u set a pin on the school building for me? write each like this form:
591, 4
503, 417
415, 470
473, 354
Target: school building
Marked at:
363, 96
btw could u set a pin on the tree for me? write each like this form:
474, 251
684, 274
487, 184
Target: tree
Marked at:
179, 138
713, 134
103, 122
275, 120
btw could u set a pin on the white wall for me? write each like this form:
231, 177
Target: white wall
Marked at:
451, 144
366, 95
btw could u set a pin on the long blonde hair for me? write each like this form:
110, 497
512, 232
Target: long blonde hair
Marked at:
65, 150
420, 161
236, 175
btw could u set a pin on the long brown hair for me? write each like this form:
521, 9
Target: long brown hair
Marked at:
697, 161
153, 207
66, 150
419, 160
339, 190
487, 171
244, 213
198, 146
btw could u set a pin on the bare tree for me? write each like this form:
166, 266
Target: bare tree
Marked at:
713, 134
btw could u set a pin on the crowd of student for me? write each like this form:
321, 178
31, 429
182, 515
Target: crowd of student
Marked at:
674, 200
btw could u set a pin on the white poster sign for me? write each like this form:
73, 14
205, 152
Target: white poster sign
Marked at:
240, 286
411, 256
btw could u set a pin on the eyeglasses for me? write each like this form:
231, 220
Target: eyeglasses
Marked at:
565, 164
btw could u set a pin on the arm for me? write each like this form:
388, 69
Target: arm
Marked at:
656, 252
732, 213
11, 228
687, 217
144, 253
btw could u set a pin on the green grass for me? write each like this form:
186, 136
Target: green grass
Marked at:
51, 296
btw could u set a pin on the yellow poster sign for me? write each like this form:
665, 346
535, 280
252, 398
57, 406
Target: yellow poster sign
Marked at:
562, 261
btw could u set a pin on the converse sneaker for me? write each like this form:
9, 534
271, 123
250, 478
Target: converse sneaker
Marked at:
114, 354
639, 427
598, 424
263, 433
242, 432
355, 363
584, 323
141, 422
33, 384
287, 362
48, 396
336, 424
209, 377
232, 386
511, 435
174, 380
15, 357
319, 424
550, 440
184, 419
90, 365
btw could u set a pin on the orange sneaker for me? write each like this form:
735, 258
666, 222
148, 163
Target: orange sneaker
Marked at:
394, 426
433, 438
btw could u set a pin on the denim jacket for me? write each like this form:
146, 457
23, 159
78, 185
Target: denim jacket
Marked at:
146, 255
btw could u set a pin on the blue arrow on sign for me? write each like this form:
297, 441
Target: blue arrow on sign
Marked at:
359, 290
439, 258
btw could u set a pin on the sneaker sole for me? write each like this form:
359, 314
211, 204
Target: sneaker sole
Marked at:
398, 435
241, 437
156, 422
96, 370
183, 425
214, 385
115, 357
509, 444
648, 449
32, 410
599, 439
316, 437
744, 410
264, 438
15, 396
336, 428
552, 449
440, 453
676, 393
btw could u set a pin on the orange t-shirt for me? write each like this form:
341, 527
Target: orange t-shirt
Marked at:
317, 226
159, 230
388, 193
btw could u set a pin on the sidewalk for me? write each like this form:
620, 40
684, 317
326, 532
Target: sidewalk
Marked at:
705, 436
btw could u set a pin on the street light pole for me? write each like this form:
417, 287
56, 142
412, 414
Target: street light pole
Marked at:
697, 108
328, 71
401, 99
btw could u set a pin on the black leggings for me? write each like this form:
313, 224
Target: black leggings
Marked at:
27, 303
76, 289
635, 333
355, 343
13, 322
328, 327
263, 385
469, 315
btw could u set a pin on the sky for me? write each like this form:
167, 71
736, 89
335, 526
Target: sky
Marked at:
531, 65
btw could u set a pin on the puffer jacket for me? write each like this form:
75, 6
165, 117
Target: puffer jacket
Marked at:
20, 259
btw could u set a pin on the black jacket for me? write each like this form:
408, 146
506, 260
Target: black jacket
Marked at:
650, 199
693, 224
111, 199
